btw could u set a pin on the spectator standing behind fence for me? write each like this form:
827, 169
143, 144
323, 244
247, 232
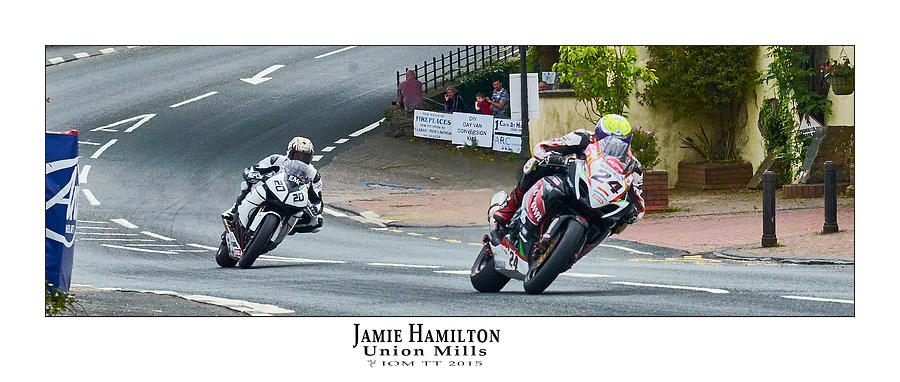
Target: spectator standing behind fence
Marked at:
453, 102
481, 104
543, 85
410, 92
499, 101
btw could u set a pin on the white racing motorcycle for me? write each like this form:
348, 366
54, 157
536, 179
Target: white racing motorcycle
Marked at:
275, 207
596, 199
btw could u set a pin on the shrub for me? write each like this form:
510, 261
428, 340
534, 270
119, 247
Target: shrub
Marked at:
644, 146
482, 79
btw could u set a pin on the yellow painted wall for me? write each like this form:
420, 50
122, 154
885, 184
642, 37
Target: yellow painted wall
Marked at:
561, 115
842, 105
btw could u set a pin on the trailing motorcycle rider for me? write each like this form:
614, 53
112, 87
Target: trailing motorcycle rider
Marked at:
299, 148
548, 159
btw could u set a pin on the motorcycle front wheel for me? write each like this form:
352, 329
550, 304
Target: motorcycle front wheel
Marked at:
484, 276
562, 253
260, 242
223, 258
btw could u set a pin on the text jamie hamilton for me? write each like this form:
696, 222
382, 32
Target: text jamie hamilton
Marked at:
460, 340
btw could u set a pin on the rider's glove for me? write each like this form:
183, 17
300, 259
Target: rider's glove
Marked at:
254, 175
555, 160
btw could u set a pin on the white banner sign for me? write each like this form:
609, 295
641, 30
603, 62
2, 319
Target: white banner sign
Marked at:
473, 129
515, 96
548, 77
428, 124
507, 126
508, 143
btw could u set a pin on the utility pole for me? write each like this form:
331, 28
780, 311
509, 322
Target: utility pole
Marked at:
526, 145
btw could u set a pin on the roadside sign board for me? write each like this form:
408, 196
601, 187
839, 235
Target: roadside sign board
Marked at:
515, 96
473, 129
429, 124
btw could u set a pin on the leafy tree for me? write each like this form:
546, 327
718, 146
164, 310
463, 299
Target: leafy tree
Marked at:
602, 77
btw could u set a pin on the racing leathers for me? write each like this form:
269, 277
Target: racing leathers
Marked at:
270, 165
546, 161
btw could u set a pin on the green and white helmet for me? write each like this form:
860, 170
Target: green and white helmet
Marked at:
613, 125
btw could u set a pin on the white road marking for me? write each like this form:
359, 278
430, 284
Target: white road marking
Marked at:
90, 221
454, 272
203, 247
626, 249
260, 77
380, 228
193, 99
108, 234
404, 265
299, 260
336, 51
139, 249
335, 213
366, 129
82, 177
189, 250
124, 223
111, 239
56, 60
88, 143
83, 227
709, 290
107, 50
328, 149
820, 299
316, 158
81, 55
103, 148
342, 140
143, 118
584, 275
155, 245
158, 236
90, 197
132, 46
251, 308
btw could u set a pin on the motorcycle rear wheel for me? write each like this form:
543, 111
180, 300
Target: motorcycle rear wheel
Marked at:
561, 257
223, 258
484, 276
260, 242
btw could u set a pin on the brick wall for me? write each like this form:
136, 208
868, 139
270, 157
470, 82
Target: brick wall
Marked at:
656, 191
709, 176
794, 191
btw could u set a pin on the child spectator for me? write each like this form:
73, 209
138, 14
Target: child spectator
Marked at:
482, 105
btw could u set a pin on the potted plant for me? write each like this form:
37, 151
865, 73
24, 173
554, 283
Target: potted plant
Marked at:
656, 182
720, 166
839, 75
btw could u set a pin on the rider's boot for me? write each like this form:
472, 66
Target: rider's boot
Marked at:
229, 215
509, 208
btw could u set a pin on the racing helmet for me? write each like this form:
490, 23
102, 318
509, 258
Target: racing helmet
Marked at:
301, 149
613, 125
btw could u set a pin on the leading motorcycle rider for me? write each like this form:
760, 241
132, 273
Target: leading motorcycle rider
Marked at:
549, 155
299, 148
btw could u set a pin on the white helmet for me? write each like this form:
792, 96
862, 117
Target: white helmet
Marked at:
301, 149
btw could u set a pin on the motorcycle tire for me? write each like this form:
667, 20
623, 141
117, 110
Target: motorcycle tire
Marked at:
223, 258
484, 276
559, 261
260, 242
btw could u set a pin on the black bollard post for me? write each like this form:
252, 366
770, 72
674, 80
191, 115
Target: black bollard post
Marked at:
768, 238
831, 225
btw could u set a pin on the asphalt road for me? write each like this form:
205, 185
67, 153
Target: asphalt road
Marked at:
173, 167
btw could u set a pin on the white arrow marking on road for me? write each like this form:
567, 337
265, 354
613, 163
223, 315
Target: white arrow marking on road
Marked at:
199, 97
90, 197
710, 290
261, 76
819, 299
336, 51
103, 148
82, 178
143, 118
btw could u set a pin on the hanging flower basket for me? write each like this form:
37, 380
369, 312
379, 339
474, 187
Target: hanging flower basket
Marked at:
841, 85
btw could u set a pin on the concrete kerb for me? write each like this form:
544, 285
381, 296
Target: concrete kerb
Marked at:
734, 254
77, 56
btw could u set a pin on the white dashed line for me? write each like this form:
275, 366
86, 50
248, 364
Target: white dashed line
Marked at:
90, 197
90, 221
251, 308
88, 143
709, 290
584, 275
328, 149
203, 247
404, 265
336, 51
190, 250
366, 129
317, 158
139, 249
626, 249
108, 234
107, 50
82, 177
56, 60
819, 299
111, 239
103, 148
81, 55
299, 260
454, 272
83, 227
124, 223
342, 140
193, 99
335, 213
132, 46
155, 245
158, 236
